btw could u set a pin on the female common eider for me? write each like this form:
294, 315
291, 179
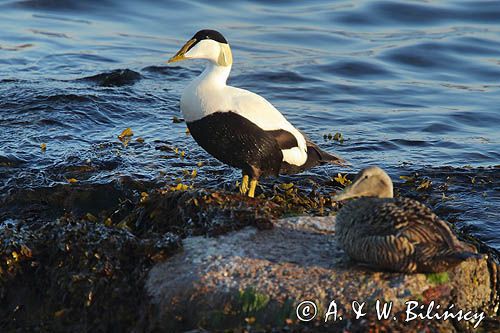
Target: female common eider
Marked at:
236, 126
397, 234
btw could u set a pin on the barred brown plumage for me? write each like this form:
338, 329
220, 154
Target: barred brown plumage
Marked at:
396, 234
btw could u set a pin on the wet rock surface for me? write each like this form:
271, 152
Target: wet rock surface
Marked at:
257, 277
76, 256
74, 275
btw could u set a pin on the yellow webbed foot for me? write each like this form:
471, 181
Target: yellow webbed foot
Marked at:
253, 185
244, 185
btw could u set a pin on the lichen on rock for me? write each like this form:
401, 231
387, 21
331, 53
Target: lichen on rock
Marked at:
219, 283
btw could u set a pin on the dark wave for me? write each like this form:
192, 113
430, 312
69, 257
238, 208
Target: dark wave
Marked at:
356, 69
285, 77
115, 78
11, 161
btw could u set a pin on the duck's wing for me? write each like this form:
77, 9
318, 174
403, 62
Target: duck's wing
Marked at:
436, 247
400, 235
258, 110
262, 113
367, 229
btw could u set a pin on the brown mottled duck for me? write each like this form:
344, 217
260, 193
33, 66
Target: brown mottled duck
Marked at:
396, 234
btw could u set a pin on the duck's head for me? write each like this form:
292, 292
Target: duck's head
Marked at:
206, 44
369, 182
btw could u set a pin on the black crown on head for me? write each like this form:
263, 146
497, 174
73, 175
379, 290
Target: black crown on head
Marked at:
210, 34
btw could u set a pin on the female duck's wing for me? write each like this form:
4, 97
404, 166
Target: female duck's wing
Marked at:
400, 235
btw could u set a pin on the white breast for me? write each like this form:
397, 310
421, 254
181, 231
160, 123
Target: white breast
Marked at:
207, 95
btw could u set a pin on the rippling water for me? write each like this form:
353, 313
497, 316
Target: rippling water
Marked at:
411, 85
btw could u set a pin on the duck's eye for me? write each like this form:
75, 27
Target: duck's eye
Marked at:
366, 177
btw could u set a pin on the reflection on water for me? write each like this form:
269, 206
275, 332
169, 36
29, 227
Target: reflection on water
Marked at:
411, 86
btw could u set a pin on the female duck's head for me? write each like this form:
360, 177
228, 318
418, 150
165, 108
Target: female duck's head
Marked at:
369, 182
206, 44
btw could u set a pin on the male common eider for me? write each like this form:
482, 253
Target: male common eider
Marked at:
236, 126
397, 234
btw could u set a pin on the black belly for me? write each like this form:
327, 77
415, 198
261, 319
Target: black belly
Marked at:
238, 142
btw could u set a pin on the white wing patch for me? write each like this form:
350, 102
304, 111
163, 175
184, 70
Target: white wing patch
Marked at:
294, 156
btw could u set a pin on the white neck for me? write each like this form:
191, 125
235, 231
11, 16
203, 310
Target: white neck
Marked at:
206, 93
214, 75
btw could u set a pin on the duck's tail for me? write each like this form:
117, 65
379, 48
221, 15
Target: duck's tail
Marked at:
450, 259
316, 155
458, 257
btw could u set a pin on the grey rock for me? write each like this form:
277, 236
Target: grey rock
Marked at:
257, 277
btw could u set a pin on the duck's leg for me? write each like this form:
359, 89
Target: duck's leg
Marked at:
244, 185
254, 173
253, 185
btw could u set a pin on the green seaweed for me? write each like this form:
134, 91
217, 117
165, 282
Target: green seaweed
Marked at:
252, 301
438, 278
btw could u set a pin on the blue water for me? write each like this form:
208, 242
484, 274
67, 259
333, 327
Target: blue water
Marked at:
413, 86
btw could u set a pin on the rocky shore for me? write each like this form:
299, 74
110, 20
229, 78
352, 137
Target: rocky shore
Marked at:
260, 276
126, 256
